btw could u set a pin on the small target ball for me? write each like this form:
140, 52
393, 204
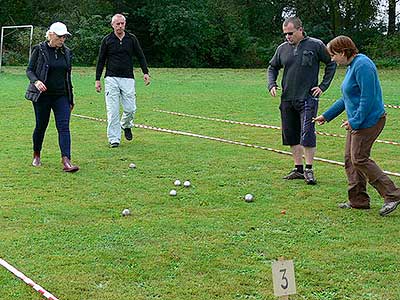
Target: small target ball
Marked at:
283, 212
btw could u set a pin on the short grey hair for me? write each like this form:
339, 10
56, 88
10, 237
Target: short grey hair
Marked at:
117, 16
295, 21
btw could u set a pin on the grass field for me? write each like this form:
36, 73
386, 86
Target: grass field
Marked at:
66, 232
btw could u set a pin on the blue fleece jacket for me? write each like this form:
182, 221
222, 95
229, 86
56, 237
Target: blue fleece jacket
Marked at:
361, 95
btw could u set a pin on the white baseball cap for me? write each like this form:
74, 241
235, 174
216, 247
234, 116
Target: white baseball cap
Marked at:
59, 28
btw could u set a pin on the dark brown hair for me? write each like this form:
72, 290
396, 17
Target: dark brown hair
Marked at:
342, 44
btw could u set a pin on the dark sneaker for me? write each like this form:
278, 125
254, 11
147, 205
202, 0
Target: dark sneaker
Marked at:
128, 133
294, 174
114, 145
309, 176
389, 207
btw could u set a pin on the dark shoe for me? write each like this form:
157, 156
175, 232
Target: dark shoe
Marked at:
68, 166
36, 159
114, 145
309, 177
294, 174
348, 205
128, 133
389, 207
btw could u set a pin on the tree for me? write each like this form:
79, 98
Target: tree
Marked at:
391, 28
201, 33
328, 18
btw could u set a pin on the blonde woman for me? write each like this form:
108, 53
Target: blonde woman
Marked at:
50, 89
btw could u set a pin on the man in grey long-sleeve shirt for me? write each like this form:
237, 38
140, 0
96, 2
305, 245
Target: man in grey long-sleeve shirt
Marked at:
300, 58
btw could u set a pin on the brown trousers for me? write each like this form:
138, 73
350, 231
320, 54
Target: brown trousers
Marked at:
360, 169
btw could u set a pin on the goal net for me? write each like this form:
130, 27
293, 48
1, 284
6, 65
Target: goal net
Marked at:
19, 40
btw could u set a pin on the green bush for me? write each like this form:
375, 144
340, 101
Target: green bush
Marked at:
201, 33
385, 51
86, 40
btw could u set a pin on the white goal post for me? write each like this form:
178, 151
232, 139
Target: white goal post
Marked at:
11, 27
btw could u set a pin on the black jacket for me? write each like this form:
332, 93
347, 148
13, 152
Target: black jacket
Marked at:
117, 55
38, 68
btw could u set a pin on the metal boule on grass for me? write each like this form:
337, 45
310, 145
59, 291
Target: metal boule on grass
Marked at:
132, 166
186, 183
249, 198
172, 192
177, 182
126, 212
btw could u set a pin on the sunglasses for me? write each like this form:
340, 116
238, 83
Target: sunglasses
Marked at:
65, 36
290, 33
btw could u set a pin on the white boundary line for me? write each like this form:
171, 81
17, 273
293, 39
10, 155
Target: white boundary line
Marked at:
392, 106
385, 105
258, 125
27, 280
222, 141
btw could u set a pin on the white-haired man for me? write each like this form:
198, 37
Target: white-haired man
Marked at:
116, 53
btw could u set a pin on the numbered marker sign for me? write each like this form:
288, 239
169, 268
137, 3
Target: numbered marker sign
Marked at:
283, 278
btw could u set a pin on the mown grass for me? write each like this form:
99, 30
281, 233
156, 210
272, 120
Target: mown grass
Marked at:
65, 231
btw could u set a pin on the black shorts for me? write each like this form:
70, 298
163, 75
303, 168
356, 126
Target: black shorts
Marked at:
297, 125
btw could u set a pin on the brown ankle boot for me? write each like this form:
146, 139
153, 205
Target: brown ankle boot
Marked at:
36, 159
68, 166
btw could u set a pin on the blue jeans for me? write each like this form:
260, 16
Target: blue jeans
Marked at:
62, 113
